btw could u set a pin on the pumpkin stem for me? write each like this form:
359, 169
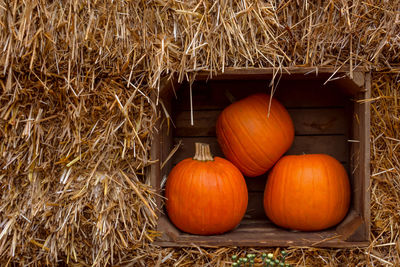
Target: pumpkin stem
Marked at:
203, 152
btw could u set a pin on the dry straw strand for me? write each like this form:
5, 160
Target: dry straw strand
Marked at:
79, 84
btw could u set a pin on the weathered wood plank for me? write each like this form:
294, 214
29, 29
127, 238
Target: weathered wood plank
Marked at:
212, 95
351, 87
256, 184
204, 123
260, 233
166, 135
255, 207
350, 225
319, 121
154, 172
365, 159
250, 73
334, 145
255, 239
306, 121
360, 159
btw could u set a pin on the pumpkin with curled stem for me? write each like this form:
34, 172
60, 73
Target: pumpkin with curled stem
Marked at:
254, 133
307, 192
205, 195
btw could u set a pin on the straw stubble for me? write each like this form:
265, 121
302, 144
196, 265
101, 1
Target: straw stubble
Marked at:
78, 107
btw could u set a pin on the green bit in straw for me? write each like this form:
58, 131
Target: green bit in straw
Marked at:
284, 254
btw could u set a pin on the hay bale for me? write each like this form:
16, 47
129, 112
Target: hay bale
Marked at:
78, 101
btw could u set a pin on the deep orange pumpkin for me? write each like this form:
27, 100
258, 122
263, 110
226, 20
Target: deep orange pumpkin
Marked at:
307, 192
205, 195
253, 135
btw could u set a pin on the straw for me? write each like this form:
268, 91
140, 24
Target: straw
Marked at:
79, 85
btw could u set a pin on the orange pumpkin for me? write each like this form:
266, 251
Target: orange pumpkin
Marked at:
205, 195
254, 133
307, 192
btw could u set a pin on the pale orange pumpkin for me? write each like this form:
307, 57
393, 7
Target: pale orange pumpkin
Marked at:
254, 133
205, 195
307, 192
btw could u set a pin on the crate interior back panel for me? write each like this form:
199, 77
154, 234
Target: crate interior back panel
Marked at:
327, 119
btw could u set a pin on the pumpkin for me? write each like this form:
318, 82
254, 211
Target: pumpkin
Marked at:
205, 195
254, 133
307, 192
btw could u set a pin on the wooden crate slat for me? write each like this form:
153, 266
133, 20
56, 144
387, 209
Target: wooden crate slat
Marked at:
203, 123
334, 145
255, 207
252, 232
306, 121
319, 121
256, 184
212, 95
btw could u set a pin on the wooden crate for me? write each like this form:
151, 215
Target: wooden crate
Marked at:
328, 118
